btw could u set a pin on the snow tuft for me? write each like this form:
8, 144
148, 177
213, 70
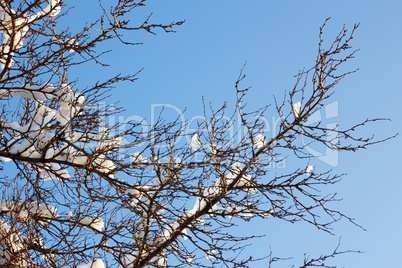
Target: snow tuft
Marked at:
195, 143
94, 222
93, 264
296, 109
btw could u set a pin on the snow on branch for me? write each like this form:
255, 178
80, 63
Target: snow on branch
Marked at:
14, 28
36, 139
10, 243
29, 210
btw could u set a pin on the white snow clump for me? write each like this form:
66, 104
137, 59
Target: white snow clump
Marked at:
195, 143
309, 169
95, 222
93, 264
296, 109
259, 141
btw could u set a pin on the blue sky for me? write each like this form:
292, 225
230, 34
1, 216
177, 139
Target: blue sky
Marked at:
278, 38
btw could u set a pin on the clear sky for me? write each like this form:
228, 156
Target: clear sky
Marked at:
278, 38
